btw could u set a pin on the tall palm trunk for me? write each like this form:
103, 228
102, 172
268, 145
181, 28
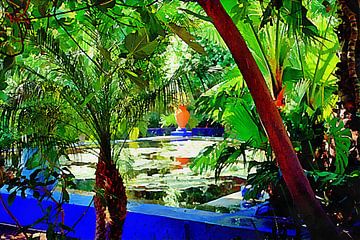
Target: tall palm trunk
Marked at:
319, 224
110, 200
100, 199
349, 65
116, 201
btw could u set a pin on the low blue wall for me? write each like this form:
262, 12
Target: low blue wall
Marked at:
211, 132
214, 132
146, 221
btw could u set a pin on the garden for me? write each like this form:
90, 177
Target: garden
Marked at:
179, 119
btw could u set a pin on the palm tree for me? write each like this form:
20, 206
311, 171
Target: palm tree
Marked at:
103, 90
109, 79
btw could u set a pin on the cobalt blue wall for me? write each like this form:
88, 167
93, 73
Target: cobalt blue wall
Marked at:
28, 210
145, 221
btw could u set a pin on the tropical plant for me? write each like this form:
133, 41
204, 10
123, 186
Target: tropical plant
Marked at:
31, 153
268, 66
95, 94
279, 141
229, 104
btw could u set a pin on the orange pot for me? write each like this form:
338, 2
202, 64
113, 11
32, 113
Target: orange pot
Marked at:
182, 160
182, 116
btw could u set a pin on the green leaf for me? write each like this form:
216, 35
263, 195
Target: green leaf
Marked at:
33, 161
3, 96
105, 53
186, 37
3, 85
342, 138
43, 6
136, 79
153, 25
244, 125
202, 17
88, 99
8, 62
139, 45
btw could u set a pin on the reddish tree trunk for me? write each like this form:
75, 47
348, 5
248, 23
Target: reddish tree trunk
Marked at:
303, 196
110, 197
116, 201
99, 200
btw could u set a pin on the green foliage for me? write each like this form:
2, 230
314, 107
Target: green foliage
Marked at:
327, 179
218, 156
306, 131
187, 37
7, 137
266, 173
168, 120
94, 62
139, 45
230, 105
342, 138
153, 120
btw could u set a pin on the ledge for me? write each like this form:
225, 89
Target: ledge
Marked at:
145, 221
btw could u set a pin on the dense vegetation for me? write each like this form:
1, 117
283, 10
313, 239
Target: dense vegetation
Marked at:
98, 67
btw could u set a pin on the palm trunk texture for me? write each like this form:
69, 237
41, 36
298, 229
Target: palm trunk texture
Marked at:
317, 221
98, 201
110, 200
349, 65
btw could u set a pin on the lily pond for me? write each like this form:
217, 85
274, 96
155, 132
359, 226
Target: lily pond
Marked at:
158, 171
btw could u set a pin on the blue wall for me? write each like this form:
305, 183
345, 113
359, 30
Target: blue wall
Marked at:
145, 221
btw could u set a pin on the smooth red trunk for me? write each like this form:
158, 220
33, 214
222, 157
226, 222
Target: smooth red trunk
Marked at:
303, 196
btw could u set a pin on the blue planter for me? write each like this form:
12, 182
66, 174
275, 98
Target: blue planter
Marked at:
159, 131
212, 132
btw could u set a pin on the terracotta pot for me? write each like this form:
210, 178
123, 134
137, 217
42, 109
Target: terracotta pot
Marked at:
182, 116
183, 160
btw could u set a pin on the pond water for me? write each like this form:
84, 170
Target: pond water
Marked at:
156, 170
